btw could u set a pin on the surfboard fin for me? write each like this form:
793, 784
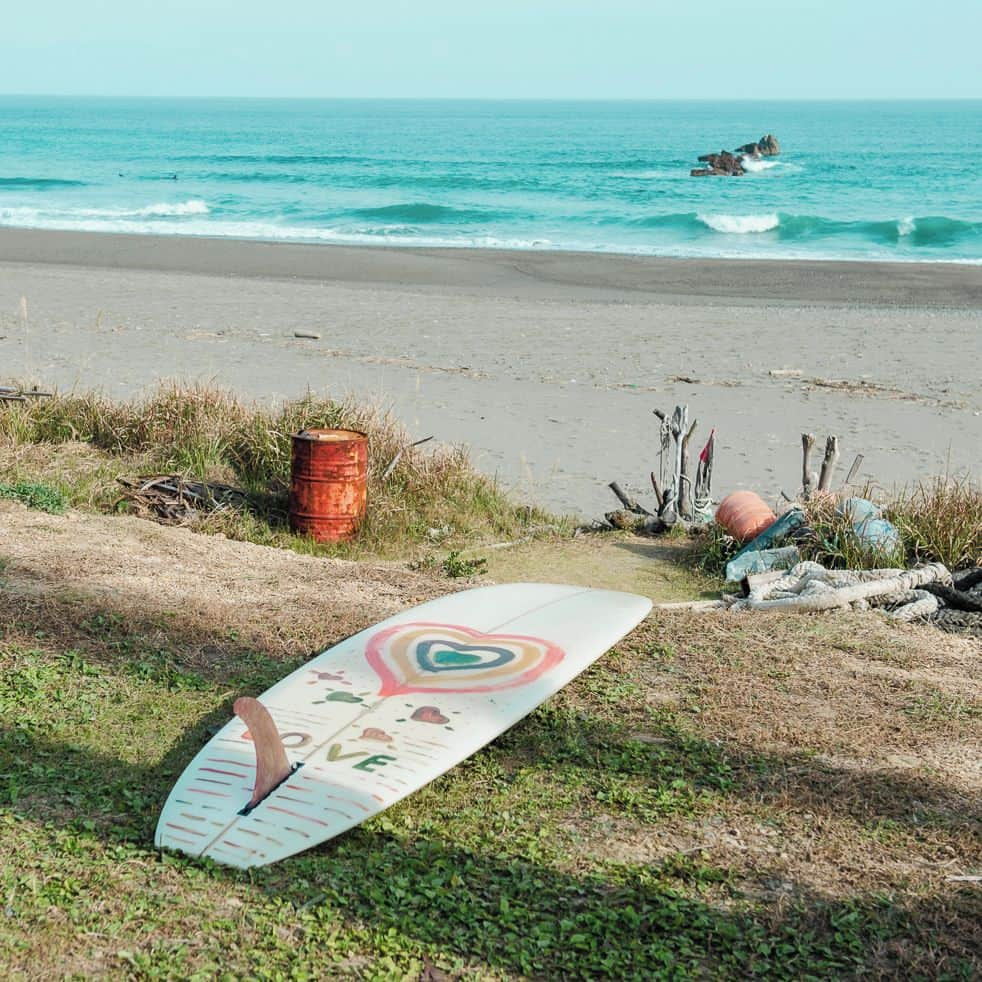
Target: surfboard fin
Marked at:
272, 766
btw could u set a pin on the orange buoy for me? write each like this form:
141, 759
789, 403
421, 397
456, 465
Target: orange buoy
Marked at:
328, 483
744, 515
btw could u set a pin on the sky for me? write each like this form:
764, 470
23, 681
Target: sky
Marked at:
608, 49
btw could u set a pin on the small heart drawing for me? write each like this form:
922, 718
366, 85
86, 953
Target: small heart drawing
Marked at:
374, 733
323, 676
430, 714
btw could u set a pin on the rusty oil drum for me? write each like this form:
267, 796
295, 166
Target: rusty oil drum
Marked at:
328, 483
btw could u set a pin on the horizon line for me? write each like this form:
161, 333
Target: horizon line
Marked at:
491, 98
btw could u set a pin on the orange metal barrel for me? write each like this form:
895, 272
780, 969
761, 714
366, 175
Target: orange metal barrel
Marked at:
328, 483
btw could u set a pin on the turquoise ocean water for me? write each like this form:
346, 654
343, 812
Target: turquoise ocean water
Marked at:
890, 180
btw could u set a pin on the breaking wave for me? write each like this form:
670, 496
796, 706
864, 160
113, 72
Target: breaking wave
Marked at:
194, 206
754, 166
740, 224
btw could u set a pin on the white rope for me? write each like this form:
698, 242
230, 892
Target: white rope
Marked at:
810, 586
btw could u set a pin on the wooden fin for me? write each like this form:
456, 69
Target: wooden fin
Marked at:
272, 766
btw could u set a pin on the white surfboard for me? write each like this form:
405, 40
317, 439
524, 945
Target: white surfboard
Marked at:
386, 711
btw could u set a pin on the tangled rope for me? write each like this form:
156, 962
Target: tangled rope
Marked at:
810, 586
959, 622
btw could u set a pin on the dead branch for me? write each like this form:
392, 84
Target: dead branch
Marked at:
829, 463
685, 483
629, 503
809, 479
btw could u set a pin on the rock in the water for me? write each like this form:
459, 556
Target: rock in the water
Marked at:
723, 163
766, 146
726, 164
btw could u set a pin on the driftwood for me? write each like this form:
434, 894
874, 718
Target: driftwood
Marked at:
809, 479
172, 498
696, 605
10, 393
829, 463
755, 581
629, 503
656, 487
685, 482
679, 497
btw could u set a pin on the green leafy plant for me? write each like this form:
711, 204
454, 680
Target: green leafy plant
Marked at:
43, 497
454, 566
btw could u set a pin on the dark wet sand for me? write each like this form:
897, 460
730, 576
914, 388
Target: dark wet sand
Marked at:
539, 275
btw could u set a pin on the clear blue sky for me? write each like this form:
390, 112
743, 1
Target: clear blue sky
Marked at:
706, 49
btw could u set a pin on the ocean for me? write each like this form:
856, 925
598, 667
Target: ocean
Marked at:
855, 180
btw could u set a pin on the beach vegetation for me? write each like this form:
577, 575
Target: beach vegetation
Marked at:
705, 801
415, 494
35, 495
939, 520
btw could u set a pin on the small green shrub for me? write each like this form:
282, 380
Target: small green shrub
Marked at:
453, 566
43, 497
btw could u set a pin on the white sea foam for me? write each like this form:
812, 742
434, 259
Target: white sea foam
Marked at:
906, 225
740, 224
163, 209
754, 165
193, 206
145, 222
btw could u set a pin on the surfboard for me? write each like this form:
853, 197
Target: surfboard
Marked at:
383, 713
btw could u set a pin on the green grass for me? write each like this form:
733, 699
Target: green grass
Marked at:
35, 495
941, 520
481, 874
207, 434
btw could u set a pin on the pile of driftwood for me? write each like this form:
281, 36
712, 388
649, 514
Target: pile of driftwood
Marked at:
680, 497
175, 500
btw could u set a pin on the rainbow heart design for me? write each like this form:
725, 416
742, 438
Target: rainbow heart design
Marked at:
451, 658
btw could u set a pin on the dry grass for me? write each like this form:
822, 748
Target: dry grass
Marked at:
941, 520
208, 434
833, 541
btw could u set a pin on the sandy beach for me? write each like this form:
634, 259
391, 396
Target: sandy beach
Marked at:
548, 365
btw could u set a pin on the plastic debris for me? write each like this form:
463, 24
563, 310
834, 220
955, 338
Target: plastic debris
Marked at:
751, 561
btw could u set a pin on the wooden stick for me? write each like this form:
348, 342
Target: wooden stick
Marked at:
656, 487
829, 463
808, 477
685, 484
629, 503
856, 464
395, 460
